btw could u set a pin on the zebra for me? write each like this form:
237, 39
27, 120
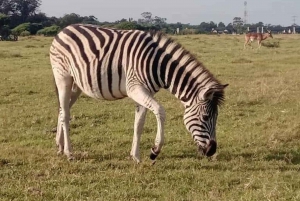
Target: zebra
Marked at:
112, 64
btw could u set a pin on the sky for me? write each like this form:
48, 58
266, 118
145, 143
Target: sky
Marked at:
275, 12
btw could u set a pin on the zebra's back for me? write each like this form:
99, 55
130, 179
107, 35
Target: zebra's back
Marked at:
95, 57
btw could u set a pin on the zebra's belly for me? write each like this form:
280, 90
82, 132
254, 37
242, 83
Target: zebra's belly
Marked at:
104, 89
112, 93
101, 80
106, 93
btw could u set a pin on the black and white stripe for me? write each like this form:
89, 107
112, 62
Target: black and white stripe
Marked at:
111, 64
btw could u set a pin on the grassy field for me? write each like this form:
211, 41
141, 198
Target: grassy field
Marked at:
258, 133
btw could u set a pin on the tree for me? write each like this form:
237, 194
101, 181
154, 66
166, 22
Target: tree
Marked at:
147, 18
6, 7
38, 18
4, 20
19, 10
212, 25
260, 24
159, 20
238, 24
4, 29
90, 20
25, 8
237, 21
221, 25
207, 27
230, 27
128, 25
122, 20
69, 19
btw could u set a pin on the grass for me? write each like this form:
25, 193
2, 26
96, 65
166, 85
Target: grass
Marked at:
258, 132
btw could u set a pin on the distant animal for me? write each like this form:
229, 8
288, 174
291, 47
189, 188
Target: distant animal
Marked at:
111, 64
250, 37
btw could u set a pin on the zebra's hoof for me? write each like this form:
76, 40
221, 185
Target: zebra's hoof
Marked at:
53, 130
153, 154
136, 159
153, 162
71, 158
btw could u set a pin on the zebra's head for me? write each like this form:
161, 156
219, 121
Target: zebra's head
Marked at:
200, 118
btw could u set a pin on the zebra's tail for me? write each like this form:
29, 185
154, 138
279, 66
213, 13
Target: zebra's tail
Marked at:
56, 92
54, 129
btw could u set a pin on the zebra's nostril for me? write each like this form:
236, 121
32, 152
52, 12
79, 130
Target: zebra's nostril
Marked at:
210, 150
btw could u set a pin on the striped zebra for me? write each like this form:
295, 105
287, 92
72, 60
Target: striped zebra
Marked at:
112, 64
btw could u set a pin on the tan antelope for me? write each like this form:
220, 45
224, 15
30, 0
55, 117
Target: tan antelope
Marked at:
250, 37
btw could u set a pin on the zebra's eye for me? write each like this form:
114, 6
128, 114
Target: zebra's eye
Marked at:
205, 117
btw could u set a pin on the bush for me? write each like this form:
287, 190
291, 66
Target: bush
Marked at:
32, 28
189, 31
35, 27
25, 33
49, 31
5, 31
274, 44
127, 26
21, 28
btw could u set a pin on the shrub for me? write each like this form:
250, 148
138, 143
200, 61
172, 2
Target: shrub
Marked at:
274, 44
5, 31
49, 31
127, 26
35, 27
189, 31
25, 33
32, 28
21, 28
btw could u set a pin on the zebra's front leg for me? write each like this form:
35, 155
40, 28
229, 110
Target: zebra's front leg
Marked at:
143, 97
139, 122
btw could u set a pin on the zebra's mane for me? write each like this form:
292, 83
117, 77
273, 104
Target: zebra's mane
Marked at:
218, 98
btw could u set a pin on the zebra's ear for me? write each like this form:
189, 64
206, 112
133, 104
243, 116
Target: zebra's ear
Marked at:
208, 93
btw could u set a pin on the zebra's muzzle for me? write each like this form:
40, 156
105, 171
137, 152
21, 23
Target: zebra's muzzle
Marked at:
210, 149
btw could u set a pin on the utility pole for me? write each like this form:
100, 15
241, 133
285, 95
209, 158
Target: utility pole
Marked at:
245, 13
294, 24
294, 20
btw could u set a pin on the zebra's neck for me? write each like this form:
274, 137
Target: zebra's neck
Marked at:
186, 82
181, 73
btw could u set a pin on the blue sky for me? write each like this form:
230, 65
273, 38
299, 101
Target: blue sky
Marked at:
185, 11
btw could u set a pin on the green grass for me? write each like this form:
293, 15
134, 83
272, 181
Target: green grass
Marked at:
258, 132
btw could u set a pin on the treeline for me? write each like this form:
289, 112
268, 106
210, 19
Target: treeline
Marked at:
21, 17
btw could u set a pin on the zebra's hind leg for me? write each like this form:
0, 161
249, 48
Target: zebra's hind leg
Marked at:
143, 97
59, 135
139, 122
64, 87
74, 96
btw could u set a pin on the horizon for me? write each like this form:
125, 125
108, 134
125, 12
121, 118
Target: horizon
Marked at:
274, 12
